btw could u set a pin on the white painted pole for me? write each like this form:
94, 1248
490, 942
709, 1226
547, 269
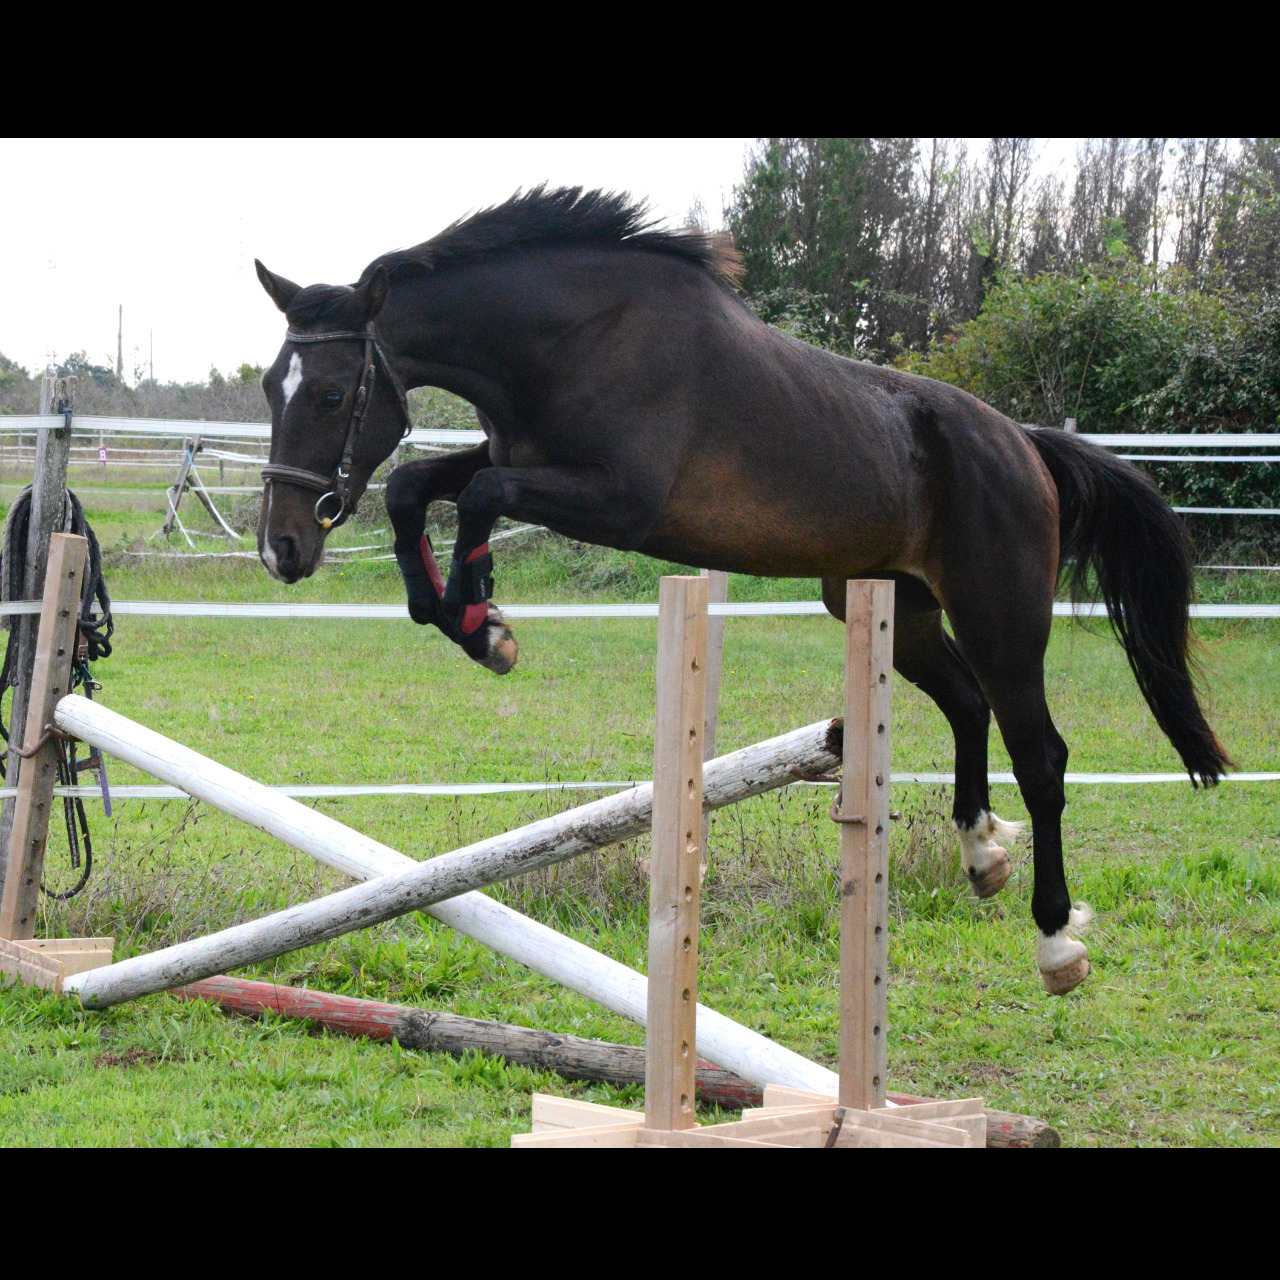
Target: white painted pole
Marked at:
755, 769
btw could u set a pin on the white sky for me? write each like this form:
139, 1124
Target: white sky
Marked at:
170, 228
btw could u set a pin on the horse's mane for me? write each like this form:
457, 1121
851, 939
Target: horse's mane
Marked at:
565, 216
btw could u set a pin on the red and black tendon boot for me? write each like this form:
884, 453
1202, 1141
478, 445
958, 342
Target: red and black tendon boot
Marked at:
478, 625
423, 582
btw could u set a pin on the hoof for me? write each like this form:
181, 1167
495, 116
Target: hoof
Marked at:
501, 649
1063, 961
986, 862
986, 884
1057, 982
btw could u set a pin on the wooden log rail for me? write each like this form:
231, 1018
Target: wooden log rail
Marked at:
404, 885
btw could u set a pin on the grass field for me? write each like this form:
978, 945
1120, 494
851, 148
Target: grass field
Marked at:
1172, 1040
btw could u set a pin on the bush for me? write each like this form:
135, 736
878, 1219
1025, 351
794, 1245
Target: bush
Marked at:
1128, 348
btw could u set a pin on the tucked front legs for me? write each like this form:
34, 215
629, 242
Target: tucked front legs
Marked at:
473, 624
593, 501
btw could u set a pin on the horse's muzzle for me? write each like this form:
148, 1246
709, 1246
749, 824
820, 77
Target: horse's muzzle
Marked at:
283, 558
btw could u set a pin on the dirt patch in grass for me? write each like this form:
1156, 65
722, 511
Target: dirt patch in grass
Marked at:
986, 1072
129, 1058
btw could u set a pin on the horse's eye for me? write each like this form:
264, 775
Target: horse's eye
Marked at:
333, 399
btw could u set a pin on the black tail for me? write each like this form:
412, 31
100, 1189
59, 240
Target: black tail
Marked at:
1116, 522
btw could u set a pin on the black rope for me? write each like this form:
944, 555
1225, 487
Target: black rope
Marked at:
97, 632
72, 810
95, 643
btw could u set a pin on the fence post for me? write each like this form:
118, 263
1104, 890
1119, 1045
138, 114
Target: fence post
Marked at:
48, 513
671, 1055
50, 682
864, 843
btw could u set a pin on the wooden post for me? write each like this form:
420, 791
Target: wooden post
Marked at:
48, 512
719, 594
50, 680
864, 844
670, 1055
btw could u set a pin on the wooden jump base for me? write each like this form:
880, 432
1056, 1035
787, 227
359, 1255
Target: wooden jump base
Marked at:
855, 1113
571, 1057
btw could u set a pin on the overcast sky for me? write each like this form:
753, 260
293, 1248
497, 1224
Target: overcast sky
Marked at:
171, 228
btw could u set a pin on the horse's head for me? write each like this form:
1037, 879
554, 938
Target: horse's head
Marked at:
337, 411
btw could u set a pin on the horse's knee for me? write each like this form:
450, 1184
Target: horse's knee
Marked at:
403, 498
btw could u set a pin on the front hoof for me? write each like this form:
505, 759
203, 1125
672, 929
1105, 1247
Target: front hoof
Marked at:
1057, 982
496, 648
989, 882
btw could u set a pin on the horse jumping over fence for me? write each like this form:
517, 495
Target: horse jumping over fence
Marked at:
631, 400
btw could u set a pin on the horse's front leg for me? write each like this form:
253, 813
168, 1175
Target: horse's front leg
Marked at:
411, 489
591, 501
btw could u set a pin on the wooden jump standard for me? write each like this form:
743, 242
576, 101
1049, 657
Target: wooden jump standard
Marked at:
854, 1114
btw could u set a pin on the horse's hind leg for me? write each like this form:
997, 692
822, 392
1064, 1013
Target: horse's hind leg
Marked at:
925, 655
1003, 633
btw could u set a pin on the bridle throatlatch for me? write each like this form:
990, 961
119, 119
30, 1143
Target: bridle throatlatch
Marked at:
337, 487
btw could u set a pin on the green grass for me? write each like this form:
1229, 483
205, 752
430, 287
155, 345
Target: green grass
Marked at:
1172, 1040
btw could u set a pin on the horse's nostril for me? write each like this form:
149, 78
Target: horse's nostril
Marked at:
286, 553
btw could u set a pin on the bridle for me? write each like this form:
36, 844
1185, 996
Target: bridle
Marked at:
338, 485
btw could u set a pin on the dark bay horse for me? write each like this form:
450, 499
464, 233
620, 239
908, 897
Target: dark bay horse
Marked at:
631, 400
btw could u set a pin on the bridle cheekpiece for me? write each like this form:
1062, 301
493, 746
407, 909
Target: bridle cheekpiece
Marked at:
337, 485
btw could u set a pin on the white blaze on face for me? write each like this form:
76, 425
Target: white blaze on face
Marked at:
292, 379
268, 555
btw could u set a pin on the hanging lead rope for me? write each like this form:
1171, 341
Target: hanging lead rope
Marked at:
93, 642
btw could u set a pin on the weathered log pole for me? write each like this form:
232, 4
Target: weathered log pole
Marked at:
405, 885
572, 1057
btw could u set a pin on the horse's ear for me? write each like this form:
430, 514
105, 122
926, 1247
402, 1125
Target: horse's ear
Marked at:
279, 290
374, 292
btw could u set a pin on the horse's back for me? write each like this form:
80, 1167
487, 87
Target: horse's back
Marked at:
796, 456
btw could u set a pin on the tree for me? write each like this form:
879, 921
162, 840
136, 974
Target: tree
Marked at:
78, 365
811, 219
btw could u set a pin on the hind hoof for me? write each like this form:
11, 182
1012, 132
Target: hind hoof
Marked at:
986, 884
1057, 982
